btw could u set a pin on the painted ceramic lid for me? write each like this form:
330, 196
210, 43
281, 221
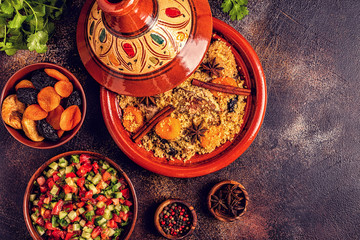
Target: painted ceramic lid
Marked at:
143, 47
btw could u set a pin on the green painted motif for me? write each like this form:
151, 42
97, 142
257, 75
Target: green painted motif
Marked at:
92, 28
157, 38
102, 36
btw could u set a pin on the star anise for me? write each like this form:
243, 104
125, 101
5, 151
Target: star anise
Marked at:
196, 132
211, 68
233, 192
147, 101
217, 203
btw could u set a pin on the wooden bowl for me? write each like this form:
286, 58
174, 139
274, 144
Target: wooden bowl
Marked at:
160, 209
9, 88
128, 229
219, 215
221, 157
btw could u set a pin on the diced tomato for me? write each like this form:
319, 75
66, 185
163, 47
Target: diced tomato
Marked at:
121, 201
76, 219
47, 199
57, 234
57, 207
40, 221
128, 203
69, 235
51, 183
56, 177
89, 194
101, 198
105, 233
68, 207
80, 182
74, 189
47, 214
84, 158
108, 202
67, 189
81, 172
48, 225
124, 216
80, 204
100, 211
92, 201
40, 180
95, 167
111, 223
125, 193
90, 225
70, 175
43, 189
89, 207
87, 167
116, 218
96, 232
115, 201
106, 176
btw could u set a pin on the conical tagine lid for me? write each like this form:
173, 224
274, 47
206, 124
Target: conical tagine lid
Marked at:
143, 47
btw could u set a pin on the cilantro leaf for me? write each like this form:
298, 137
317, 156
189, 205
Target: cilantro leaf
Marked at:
237, 9
6, 7
37, 41
17, 21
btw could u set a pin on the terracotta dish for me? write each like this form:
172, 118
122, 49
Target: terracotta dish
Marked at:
128, 229
169, 202
9, 88
200, 165
142, 47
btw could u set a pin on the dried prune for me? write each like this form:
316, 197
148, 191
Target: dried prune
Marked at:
40, 80
46, 130
232, 104
74, 99
172, 151
27, 95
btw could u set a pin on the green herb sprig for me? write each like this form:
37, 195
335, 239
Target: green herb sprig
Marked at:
27, 24
237, 9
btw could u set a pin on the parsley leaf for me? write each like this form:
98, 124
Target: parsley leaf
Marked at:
37, 41
237, 9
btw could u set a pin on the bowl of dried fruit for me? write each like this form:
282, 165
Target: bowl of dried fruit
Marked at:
175, 219
43, 105
228, 200
80, 195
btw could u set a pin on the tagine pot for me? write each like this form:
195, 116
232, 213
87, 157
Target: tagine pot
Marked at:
143, 47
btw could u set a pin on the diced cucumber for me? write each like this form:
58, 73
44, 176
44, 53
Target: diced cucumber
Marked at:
100, 221
75, 158
107, 214
108, 193
54, 221
89, 177
62, 162
113, 179
125, 208
93, 188
76, 227
87, 229
117, 195
96, 179
62, 214
68, 197
72, 215
82, 223
50, 173
104, 185
116, 187
81, 210
52, 204
68, 169
105, 165
86, 235
54, 166
112, 171
40, 230
35, 202
111, 232
110, 207
32, 197
70, 182
97, 238
100, 204
62, 172
54, 190
34, 217
89, 215
118, 207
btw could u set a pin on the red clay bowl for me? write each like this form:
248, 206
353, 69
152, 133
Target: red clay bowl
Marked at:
128, 229
9, 88
200, 165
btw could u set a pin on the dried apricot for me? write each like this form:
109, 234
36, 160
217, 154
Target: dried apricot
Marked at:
35, 112
212, 137
169, 128
54, 116
60, 133
70, 118
24, 84
132, 119
12, 110
56, 74
224, 81
29, 127
64, 88
48, 99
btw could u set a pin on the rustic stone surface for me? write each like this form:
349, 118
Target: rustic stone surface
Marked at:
302, 171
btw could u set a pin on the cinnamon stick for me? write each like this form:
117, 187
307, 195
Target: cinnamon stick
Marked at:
221, 88
166, 111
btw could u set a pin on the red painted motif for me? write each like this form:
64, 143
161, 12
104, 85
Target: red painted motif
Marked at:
172, 12
129, 50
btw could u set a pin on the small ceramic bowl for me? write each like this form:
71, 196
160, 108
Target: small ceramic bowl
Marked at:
214, 196
9, 88
26, 202
179, 202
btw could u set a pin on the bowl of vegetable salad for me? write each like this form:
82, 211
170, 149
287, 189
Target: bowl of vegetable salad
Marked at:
80, 195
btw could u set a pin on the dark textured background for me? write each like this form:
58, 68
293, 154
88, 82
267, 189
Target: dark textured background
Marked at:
302, 171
